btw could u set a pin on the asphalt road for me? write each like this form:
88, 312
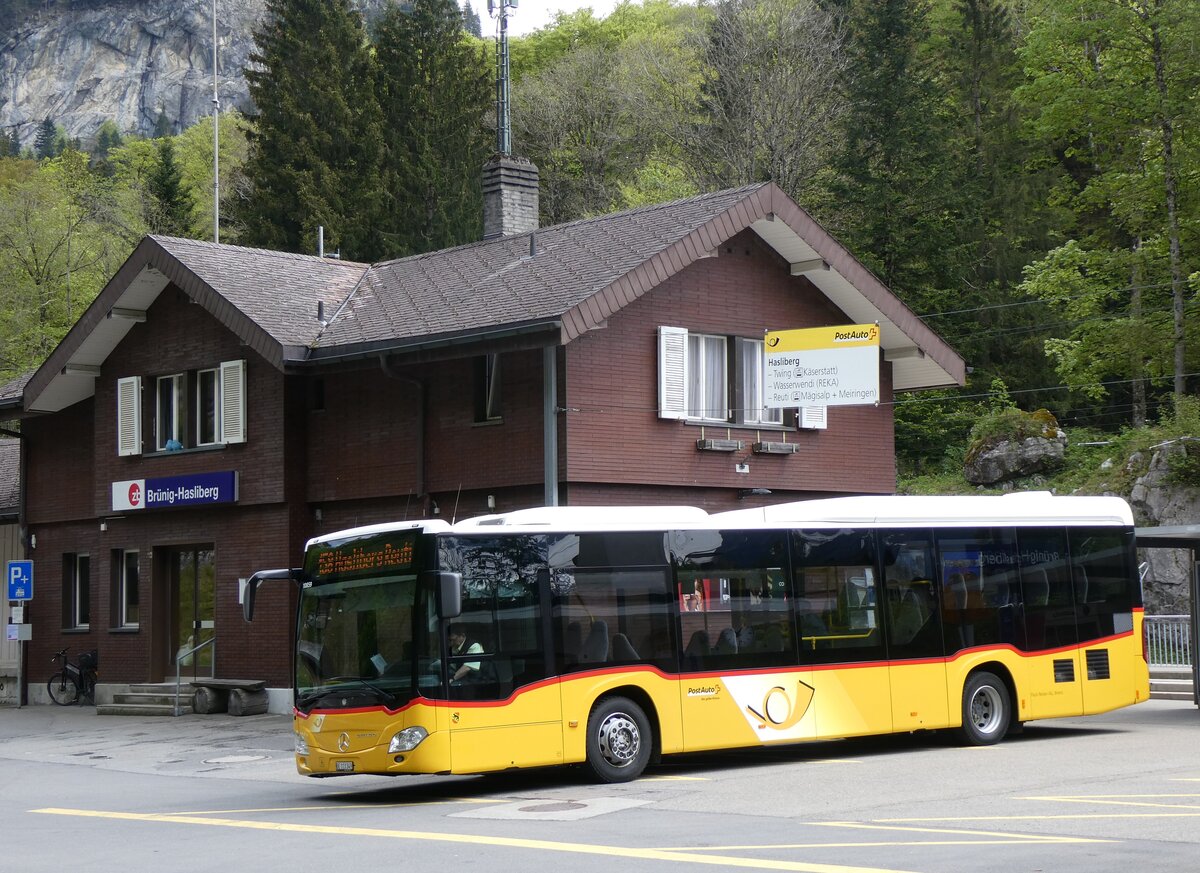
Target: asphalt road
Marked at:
1114, 792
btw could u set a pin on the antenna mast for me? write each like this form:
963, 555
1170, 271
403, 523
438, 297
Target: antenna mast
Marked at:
500, 10
216, 101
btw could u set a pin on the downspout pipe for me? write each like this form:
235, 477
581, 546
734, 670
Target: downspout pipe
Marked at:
550, 422
419, 387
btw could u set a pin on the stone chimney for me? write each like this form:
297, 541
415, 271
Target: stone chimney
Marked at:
510, 196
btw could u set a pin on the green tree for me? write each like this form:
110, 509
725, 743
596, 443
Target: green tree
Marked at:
56, 255
893, 200
1112, 89
172, 205
471, 23
317, 140
49, 142
597, 106
435, 92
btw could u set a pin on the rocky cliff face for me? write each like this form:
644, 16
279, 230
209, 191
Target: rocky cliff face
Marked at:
1158, 503
128, 62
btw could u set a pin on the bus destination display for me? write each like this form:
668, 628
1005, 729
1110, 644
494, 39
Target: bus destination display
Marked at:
368, 556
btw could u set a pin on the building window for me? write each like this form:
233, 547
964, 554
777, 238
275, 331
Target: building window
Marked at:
168, 419
208, 407
696, 373
127, 589
751, 365
708, 379
487, 388
214, 400
77, 591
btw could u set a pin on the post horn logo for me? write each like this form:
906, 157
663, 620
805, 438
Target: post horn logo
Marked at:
778, 711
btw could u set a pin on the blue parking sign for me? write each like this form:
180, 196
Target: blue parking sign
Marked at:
20, 580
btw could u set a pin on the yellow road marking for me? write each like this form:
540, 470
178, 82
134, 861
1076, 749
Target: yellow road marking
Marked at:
1082, 815
1001, 835
1123, 800
479, 840
324, 806
675, 779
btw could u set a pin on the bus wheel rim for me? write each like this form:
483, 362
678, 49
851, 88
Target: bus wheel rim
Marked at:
986, 709
620, 739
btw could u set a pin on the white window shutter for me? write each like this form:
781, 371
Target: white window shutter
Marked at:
672, 372
129, 416
233, 401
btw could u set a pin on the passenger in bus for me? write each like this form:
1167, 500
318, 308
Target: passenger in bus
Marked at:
727, 643
459, 645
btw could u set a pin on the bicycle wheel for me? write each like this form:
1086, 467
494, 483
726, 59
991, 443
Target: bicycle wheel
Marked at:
63, 689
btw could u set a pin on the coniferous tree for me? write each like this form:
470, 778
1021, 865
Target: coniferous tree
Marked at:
895, 203
49, 142
435, 91
317, 140
471, 23
171, 206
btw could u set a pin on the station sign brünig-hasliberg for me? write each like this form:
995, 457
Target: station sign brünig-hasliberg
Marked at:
169, 492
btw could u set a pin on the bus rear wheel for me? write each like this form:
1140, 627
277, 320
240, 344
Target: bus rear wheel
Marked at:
618, 740
986, 710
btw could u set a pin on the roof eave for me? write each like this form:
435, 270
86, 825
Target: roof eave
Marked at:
542, 332
147, 261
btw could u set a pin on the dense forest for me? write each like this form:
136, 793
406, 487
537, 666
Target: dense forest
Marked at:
1025, 174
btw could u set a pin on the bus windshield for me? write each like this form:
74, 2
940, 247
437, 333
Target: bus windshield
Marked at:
364, 626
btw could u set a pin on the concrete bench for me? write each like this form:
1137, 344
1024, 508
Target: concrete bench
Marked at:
235, 696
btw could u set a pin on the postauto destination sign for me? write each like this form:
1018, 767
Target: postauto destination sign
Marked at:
821, 366
169, 492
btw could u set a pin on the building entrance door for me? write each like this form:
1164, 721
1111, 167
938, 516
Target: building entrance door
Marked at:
193, 608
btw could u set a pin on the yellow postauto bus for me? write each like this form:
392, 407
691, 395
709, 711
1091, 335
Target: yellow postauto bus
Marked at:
610, 637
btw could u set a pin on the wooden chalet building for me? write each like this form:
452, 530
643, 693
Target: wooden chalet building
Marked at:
216, 405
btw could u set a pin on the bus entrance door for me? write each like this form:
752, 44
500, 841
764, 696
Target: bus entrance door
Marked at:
519, 730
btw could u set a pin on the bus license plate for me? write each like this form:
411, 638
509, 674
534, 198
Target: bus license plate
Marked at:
344, 766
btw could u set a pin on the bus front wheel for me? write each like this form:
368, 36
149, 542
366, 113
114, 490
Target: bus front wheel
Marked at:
618, 741
986, 710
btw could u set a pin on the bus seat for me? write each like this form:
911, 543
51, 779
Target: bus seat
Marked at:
573, 641
622, 649
1037, 587
727, 642
595, 647
1081, 584
697, 649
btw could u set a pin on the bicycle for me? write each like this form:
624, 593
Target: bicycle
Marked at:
73, 684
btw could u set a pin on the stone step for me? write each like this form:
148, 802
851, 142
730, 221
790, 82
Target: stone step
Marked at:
144, 708
158, 698
1171, 689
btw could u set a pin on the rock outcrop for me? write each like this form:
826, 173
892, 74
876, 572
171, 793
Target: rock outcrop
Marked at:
1015, 459
129, 62
1158, 502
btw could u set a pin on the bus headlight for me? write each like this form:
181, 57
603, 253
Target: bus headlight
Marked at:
407, 740
301, 745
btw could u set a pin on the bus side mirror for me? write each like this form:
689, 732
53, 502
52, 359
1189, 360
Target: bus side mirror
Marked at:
257, 579
451, 594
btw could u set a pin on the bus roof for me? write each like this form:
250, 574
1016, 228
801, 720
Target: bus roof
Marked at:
591, 518
1018, 508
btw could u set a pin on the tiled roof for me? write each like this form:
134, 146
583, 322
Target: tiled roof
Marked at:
10, 478
508, 281
12, 390
276, 290
553, 284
